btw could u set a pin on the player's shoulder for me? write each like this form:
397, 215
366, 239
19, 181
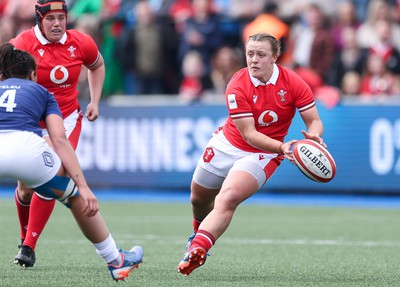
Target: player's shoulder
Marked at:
25, 85
240, 74
36, 86
241, 77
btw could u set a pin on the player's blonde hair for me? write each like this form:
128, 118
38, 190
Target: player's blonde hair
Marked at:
275, 44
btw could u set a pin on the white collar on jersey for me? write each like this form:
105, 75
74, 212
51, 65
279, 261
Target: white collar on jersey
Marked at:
272, 80
44, 41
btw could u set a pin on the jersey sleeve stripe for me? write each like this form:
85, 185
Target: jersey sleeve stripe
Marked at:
242, 115
95, 62
309, 106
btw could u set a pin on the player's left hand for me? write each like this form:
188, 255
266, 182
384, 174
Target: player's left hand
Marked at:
91, 206
92, 112
286, 148
314, 137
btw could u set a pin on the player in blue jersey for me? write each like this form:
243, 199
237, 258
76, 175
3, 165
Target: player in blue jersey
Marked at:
23, 104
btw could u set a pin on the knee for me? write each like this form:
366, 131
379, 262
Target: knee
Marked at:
198, 200
227, 201
24, 193
200, 197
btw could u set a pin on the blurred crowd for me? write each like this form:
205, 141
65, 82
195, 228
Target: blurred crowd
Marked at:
191, 48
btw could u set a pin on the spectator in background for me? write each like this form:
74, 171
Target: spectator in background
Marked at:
377, 10
378, 80
110, 29
231, 28
161, 9
349, 58
345, 17
201, 33
244, 11
143, 52
195, 81
180, 11
18, 16
351, 84
312, 44
88, 24
6, 30
225, 63
268, 22
383, 45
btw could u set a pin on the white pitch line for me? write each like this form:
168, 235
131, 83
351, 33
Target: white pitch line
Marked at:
323, 242
167, 240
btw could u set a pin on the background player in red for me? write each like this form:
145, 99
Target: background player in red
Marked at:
60, 54
242, 155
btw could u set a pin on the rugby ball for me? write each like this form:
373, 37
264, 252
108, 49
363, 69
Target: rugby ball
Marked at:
314, 160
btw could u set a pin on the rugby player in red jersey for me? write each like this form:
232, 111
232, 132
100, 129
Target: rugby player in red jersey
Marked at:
241, 156
60, 55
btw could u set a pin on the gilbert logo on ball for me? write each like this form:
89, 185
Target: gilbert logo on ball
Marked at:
314, 160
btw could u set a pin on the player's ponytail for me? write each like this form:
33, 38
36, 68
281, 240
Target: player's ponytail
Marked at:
15, 63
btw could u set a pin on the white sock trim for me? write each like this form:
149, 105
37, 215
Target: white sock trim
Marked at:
205, 236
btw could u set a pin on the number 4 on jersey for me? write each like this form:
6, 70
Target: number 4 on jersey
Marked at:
7, 100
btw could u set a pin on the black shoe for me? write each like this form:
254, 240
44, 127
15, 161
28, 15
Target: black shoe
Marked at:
25, 257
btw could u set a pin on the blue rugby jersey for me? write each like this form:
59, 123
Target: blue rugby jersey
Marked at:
23, 104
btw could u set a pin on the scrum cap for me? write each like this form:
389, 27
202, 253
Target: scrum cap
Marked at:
43, 7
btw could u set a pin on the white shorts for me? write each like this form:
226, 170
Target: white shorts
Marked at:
27, 157
220, 157
69, 124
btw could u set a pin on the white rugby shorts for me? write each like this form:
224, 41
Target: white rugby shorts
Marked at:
27, 157
220, 157
69, 124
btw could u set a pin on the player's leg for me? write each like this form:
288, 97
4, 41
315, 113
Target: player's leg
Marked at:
245, 178
202, 201
119, 262
40, 211
41, 207
22, 200
201, 197
238, 186
34, 162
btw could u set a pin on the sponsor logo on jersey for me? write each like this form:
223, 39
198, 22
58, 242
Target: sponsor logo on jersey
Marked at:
232, 101
59, 74
261, 157
255, 97
267, 117
41, 52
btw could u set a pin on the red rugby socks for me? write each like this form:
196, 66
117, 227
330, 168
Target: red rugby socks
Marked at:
23, 214
40, 212
203, 239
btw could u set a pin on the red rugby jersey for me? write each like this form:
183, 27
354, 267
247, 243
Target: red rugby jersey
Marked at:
59, 64
272, 105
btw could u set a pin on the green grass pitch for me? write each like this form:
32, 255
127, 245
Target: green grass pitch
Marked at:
264, 246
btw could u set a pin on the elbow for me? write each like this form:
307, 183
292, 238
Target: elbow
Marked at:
60, 142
